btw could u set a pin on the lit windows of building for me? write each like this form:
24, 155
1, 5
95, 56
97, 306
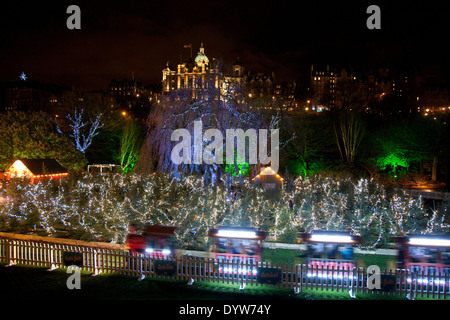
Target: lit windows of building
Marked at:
202, 72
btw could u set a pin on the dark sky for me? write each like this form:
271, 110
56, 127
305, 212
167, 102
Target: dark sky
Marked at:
118, 38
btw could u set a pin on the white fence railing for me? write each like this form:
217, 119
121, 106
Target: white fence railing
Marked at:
109, 258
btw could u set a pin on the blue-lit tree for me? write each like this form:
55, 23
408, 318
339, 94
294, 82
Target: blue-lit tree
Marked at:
218, 108
80, 134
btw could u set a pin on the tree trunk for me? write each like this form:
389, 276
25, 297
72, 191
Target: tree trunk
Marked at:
434, 170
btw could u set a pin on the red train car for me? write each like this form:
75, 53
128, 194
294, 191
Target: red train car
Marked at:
427, 254
235, 245
155, 240
330, 249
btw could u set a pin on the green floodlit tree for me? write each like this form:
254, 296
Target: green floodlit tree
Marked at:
402, 144
130, 145
238, 170
393, 159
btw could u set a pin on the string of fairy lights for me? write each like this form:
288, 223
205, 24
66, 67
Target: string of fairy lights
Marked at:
101, 207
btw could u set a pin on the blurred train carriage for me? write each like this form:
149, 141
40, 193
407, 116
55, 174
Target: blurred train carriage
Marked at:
330, 250
155, 241
424, 254
233, 245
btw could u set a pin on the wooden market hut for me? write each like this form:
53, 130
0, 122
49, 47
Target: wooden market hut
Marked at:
35, 169
269, 179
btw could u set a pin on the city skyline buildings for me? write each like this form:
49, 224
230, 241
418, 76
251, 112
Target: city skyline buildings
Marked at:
329, 88
117, 39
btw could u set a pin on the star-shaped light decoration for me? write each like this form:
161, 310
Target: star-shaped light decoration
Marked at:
23, 76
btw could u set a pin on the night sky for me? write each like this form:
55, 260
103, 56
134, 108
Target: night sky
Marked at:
118, 38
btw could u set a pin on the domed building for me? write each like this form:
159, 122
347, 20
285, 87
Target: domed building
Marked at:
201, 59
207, 77
195, 74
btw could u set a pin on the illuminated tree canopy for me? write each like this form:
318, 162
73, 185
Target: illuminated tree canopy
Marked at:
130, 145
33, 135
100, 207
401, 145
81, 134
180, 110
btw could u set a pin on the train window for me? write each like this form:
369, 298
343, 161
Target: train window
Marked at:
423, 254
315, 250
151, 243
236, 246
249, 247
445, 256
446, 271
164, 243
157, 243
222, 245
332, 251
346, 252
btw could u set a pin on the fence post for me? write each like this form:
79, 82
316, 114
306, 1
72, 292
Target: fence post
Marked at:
351, 283
296, 286
96, 271
243, 274
50, 256
446, 288
411, 295
189, 271
141, 267
11, 253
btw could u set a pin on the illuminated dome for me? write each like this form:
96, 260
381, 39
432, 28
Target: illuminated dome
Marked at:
201, 58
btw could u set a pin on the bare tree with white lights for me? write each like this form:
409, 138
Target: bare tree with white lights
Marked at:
82, 136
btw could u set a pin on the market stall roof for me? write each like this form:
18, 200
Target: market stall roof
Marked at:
268, 172
269, 179
38, 167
